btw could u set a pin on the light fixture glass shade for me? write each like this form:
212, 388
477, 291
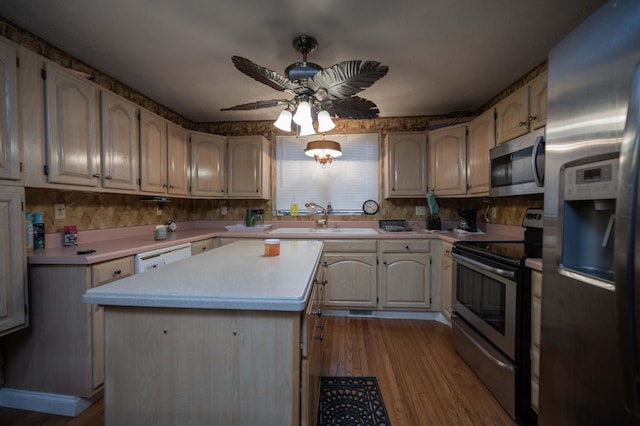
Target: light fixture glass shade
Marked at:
284, 121
303, 114
323, 149
306, 129
324, 122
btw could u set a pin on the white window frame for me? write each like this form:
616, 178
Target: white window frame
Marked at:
347, 182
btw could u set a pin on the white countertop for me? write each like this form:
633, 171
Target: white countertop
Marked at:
234, 276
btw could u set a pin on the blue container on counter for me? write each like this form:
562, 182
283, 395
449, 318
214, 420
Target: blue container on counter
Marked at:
38, 230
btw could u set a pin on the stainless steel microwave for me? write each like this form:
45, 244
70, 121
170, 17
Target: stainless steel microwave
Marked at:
517, 166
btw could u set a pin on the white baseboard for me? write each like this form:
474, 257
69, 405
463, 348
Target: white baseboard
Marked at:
52, 403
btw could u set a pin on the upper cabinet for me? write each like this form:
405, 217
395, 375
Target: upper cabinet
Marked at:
153, 153
523, 111
448, 161
13, 285
119, 129
538, 102
208, 165
178, 158
9, 142
481, 138
248, 167
73, 147
406, 165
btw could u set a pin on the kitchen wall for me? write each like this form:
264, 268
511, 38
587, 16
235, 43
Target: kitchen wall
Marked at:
90, 210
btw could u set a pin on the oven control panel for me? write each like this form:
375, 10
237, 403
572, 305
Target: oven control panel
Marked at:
594, 181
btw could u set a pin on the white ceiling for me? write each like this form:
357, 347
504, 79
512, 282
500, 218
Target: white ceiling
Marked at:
443, 55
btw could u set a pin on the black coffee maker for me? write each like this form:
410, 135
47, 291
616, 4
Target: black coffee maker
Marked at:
467, 220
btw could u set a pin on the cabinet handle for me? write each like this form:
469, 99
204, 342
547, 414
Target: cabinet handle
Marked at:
532, 117
320, 326
393, 189
407, 247
447, 251
108, 177
116, 273
320, 337
323, 282
325, 264
522, 123
164, 185
171, 186
95, 175
317, 313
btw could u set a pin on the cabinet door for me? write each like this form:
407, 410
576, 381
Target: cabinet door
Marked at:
248, 167
406, 165
119, 142
178, 155
9, 142
351, 280
73, 148
512, 116
448, 164
13, 282
153, 153
538, 102
208, 165
482, 137
405, 280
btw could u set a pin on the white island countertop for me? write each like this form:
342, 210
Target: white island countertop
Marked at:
234, 276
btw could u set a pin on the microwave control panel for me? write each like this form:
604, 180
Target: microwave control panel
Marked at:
593, 181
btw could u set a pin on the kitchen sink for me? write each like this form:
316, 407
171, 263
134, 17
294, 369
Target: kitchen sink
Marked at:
360, 231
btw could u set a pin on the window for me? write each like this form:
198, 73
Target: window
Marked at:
347, 182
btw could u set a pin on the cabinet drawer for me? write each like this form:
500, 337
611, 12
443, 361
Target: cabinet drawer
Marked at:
111, 270
201, 246
446, 248
350, 246
405, 246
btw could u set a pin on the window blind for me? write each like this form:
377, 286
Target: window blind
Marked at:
347, 182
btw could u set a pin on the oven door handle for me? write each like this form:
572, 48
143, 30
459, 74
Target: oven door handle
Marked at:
497, 271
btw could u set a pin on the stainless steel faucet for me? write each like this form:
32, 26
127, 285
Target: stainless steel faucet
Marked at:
321, 222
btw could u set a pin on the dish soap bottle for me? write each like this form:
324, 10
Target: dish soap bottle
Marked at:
329, 208
293, 207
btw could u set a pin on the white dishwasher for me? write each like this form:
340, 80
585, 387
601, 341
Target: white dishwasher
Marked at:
154, 259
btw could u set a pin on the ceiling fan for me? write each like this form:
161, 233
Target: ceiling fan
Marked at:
327, 91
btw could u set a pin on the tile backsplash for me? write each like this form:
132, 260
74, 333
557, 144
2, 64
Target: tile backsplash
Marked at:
90, 210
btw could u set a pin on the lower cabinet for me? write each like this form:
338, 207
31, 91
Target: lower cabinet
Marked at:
446, 279
405, 271
63, 349
536, 310
350, 272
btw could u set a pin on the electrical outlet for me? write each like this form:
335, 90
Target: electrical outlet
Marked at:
421, 210
159, 210
60, 211
494, 211
223, 210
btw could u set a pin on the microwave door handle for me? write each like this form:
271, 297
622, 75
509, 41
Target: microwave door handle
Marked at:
534, 161
626, 240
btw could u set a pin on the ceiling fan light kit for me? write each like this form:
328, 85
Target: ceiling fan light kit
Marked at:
318, 93
323, 151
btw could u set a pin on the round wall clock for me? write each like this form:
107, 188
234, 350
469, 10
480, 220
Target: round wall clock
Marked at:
370, 207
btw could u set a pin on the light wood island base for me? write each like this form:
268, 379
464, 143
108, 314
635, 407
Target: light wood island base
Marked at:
202, 366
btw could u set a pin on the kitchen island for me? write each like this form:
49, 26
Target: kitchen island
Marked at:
225, 337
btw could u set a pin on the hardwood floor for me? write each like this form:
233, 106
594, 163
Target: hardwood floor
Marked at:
422, 380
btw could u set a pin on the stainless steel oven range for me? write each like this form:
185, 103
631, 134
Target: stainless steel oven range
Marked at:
492, 313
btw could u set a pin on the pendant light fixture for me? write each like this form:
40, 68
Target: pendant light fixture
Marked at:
323, 151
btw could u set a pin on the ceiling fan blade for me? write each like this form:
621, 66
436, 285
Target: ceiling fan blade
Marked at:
257, 105
263, 75
347, 78
355, 108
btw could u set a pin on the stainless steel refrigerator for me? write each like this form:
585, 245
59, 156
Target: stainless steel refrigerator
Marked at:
590, 319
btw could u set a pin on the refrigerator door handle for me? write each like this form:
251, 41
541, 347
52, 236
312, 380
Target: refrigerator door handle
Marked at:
534, 161
626, 238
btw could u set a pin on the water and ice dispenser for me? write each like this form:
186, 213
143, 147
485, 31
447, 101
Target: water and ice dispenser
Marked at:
588, 215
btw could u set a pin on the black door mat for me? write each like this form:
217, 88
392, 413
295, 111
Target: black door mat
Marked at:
351, 401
